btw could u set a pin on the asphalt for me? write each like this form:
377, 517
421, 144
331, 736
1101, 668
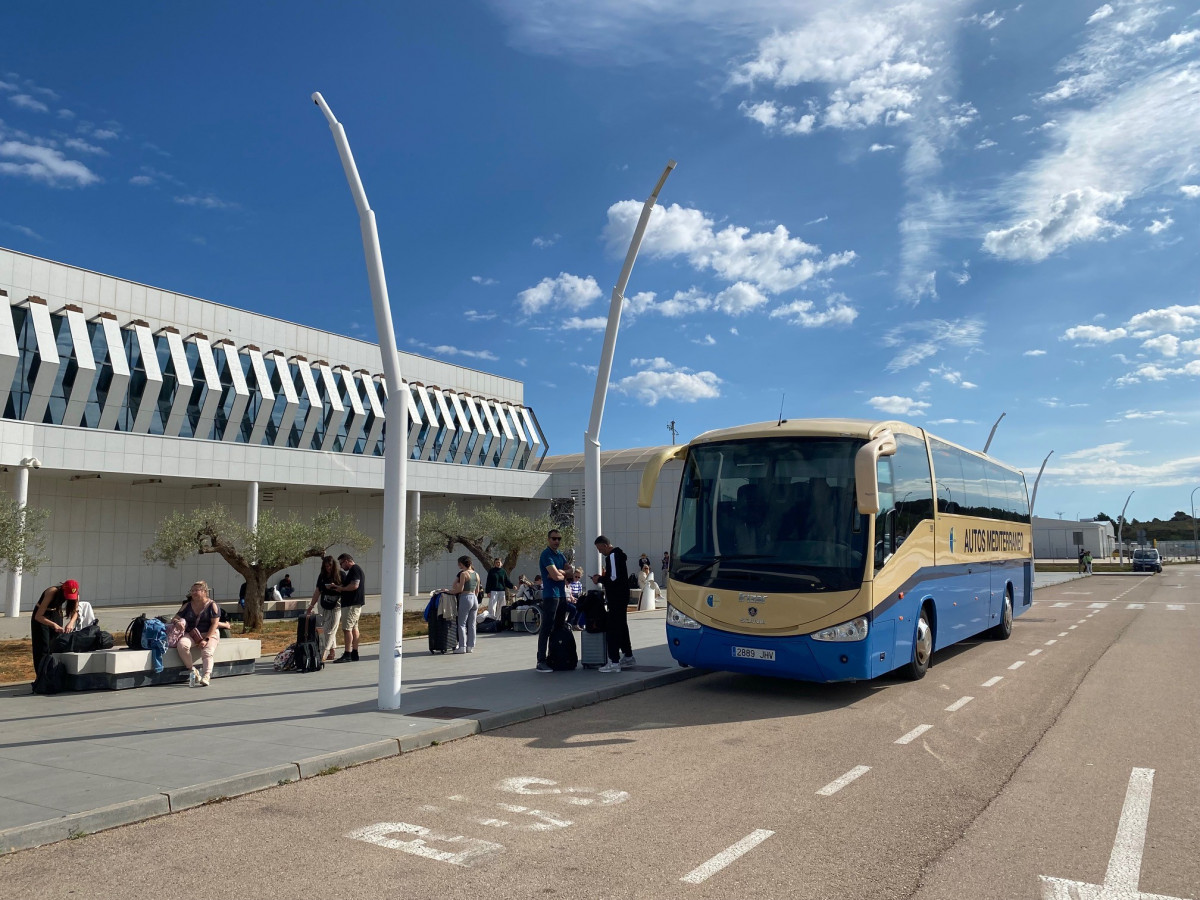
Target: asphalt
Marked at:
78, 763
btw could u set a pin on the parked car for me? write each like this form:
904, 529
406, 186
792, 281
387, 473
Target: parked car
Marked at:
1147, 559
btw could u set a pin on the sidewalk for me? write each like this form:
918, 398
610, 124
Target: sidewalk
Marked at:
80, 762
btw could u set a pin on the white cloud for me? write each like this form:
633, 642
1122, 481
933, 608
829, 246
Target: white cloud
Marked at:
22, 229
548, 241
141, 180
1034, 353
595, 323
638, 303
988, 20
1171, 319
838, 311
773, 116
879, 148
772, 261
24, 101
474, 315
1191, 191
1104, 451
1093, 334
921, 340
899, 406
1077, 215
1158, 226
566, 292
486, 282
105, 134
84, 147
1166, 345
453, 350
660, 380
1102, 13
947, 374
707, 341
43, 164
1107, 470
739, 298
1151, 372
1179, 40
205, 201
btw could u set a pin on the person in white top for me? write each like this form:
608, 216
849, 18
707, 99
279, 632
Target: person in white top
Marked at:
649, 588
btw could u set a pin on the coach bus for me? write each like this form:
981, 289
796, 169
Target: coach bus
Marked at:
839, 549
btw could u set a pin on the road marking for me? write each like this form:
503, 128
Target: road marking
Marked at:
1175, 606
1017, 664
1051, 642
1077, 593
1060, 605
959, 704
1081, 622
473, 850
1062, 634
834, 786
548, 822
1125, 864
913, 735
1136, 606
1072, 627
1097, 606
996, 679
725, 857
1035, 652
530, 786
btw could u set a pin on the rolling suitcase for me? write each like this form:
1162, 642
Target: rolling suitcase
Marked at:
593, 649
443, 632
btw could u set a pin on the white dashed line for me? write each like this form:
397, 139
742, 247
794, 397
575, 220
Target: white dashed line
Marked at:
1060, 605
1072, 627
1176, 606
1035, 652
1062, 634
913, 735
959, 704
1051, 642
1081, 622
1017, 664
1136, 606
1097, 606
834, 786
725, 857
995, 679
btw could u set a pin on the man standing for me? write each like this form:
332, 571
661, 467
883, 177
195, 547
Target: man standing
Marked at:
354, 596
497, 581
666, 568
615, 579
553, 567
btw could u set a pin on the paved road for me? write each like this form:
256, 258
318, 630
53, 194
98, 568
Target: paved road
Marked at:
1071, 767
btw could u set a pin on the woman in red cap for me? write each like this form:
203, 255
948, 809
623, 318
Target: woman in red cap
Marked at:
53, 615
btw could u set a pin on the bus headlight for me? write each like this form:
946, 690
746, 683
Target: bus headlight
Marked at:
679, 620
854, 630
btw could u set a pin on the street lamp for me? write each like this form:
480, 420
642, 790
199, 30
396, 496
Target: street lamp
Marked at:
395, 447
992, 434
591, 440
1195, 542
1033, 499
1120, 528
21, 497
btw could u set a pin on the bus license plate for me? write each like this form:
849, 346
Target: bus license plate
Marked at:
754, 653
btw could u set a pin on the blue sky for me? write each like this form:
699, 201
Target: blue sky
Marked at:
938, 211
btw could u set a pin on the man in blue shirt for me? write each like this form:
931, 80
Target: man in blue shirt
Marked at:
553, 566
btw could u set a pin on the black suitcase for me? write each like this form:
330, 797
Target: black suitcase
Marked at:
561, 655
307, 654
594, 649
443, 633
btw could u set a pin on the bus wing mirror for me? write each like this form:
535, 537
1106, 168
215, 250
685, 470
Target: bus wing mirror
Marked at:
653, 467
866, 471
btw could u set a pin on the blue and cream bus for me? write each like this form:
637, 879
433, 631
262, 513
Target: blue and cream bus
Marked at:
839, 549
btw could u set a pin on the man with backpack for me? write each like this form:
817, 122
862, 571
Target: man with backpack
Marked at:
553, 565
614, 577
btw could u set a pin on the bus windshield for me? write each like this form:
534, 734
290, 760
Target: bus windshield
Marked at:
774, 514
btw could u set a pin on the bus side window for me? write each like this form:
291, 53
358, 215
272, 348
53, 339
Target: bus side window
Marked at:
885, 519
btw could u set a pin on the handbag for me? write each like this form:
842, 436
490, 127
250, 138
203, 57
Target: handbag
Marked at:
194, 636
174, 632
330, 601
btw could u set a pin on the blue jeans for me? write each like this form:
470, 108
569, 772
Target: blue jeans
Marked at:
554, 615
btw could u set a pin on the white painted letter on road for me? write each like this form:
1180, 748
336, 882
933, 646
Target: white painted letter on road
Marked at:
468, 851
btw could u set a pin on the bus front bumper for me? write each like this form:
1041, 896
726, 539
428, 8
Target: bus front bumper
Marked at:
800, 657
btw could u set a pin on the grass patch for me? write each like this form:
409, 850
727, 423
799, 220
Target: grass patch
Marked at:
75, 834
212, 800
330, 771
282, 781
16, 657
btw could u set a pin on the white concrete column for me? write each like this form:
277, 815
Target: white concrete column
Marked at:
21, 495
415, 507
252, 507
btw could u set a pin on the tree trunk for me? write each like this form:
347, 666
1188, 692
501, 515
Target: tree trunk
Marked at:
256, 588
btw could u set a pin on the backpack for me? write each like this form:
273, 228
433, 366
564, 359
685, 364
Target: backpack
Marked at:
307, 654
633, 582
284, 659
561, 654
133, 634
51, 676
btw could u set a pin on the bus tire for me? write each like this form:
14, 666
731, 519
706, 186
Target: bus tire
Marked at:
922, 651
1003, 631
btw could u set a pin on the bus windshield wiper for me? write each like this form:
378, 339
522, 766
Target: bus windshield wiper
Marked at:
724, 557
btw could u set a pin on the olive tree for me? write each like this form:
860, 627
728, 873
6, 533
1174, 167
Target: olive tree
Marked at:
256, 555
485, 533
22, 536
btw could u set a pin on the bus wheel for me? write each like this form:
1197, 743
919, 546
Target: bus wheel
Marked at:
922, 648
1003, 631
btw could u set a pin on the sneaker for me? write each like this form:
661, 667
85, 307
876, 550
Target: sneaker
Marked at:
610, 667
543, 667
353, 656
627, 662
460, 650
193, 677
204, 680
470, 649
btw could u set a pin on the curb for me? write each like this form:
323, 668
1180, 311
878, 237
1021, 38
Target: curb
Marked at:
24, 837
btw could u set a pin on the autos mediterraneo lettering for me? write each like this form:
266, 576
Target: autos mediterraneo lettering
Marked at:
992, 540
752, 598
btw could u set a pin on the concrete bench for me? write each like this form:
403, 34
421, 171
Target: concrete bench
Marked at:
123, 667
272, 609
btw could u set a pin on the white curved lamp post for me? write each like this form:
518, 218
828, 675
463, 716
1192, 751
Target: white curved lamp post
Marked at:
395, 447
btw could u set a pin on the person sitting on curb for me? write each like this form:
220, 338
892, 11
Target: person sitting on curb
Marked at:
201, 618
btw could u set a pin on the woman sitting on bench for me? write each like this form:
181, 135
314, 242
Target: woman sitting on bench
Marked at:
201, 617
